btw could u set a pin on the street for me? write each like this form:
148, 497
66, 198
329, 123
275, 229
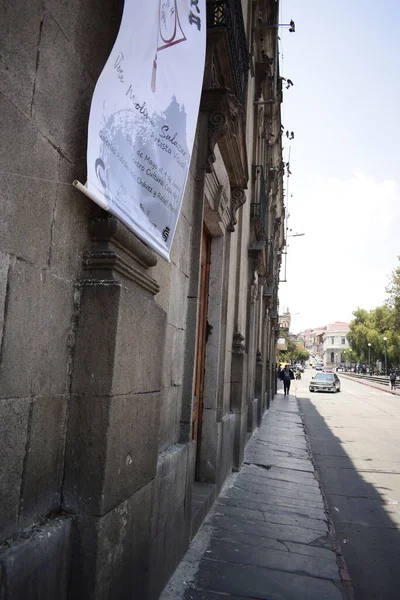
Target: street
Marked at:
355, 440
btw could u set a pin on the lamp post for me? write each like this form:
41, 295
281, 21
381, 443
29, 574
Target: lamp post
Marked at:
369, 356
385, 340
284, 280
291, 25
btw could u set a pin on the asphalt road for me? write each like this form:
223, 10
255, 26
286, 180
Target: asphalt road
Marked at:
355, 439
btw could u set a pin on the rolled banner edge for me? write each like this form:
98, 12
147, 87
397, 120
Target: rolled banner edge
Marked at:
82, 188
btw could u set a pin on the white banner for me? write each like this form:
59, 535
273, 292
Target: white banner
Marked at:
143, 116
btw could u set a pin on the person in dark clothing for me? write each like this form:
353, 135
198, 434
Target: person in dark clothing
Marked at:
392, 378
286, 375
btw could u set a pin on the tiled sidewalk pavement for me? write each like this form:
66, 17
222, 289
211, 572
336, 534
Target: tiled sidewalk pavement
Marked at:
267, 536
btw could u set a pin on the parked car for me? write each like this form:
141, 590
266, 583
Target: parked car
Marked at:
325, 382
318, 367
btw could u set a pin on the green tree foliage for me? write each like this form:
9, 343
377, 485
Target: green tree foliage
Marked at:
393, 291
374, 325
286, 355
301, 355
292, 352
349, 356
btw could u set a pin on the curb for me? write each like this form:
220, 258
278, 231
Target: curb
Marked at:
373, 385
347, 584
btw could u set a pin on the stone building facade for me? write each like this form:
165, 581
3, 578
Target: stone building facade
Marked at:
313, 340
335, 343
128, 386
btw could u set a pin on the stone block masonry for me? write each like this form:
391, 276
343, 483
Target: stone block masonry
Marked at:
107, 424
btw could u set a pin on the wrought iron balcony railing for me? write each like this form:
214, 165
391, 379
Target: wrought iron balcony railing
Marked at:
258, 209
228, 14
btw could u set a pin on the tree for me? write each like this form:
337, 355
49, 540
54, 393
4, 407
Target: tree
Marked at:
286, 355
293, 351
371, 327
350, 356
393, 290
360, 331
300, 354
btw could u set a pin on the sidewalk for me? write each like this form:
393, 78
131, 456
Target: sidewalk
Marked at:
267, 537
373, 384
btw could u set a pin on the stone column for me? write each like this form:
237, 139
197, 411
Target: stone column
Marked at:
239, 397
251, 402
209, 454
253, 330
112, 438
262, 354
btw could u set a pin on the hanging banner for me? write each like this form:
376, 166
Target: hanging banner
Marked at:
143, 117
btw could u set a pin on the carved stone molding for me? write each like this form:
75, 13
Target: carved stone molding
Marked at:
238, 198
258, 272
267, 301
226, 126
217, 127
268, 293
273, 315
237, 344
262, 280
255, 265
254, 293
117, 253
259, 358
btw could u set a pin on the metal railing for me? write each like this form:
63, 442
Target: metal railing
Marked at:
228, 14
381, 379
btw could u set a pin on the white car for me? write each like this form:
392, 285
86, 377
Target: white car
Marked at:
325, 382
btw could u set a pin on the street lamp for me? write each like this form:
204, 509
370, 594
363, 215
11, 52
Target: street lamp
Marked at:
344, 361
291, 25
284, 280
369, 355
385, 340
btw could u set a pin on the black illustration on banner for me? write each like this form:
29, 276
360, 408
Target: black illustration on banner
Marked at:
169, 32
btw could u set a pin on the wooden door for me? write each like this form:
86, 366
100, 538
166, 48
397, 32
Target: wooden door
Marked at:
201, 337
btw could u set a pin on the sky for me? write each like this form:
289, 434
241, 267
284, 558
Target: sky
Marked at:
344, 191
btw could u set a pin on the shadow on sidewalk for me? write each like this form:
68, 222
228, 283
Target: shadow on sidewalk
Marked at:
369, 538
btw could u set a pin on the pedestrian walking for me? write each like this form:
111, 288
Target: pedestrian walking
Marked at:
286, 375
392, 378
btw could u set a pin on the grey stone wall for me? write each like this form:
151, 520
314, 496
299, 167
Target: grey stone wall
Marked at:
51, 55
178, 296
97, 367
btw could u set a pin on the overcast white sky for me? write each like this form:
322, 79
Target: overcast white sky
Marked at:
344, 109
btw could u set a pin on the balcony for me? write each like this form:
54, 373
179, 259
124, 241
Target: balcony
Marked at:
258, 209
226, 16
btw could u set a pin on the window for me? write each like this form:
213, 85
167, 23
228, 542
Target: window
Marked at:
343, 341
332, 357
332, 340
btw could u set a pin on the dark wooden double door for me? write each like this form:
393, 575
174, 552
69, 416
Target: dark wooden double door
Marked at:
201, 338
